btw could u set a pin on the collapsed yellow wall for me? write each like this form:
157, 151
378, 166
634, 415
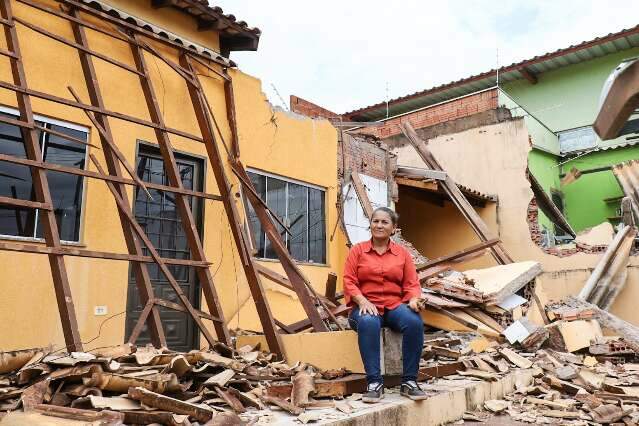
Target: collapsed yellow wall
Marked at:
276, 142
493, 160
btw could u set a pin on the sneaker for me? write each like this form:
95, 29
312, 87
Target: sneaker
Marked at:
412, 391
374, 392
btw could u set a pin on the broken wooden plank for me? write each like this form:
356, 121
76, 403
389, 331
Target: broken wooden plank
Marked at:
173, 405
457, 197
603, 264
548, 207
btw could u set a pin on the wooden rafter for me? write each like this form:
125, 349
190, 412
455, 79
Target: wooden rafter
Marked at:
362, 195
140, 271
122, 206
237, 231
64, 298
181, 202
456, 196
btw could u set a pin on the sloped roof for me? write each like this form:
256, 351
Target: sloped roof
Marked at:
234, 34
584, 51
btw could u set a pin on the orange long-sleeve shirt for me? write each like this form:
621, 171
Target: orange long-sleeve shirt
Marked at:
386, 280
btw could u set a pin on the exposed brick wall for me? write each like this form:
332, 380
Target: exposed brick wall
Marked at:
459, 108
364, 155
309, 109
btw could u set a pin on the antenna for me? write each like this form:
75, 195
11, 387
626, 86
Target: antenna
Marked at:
497, 51
280, 97
387, 112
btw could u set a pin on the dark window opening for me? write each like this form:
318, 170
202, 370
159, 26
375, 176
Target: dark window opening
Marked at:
301, 208
66, 189
558, 200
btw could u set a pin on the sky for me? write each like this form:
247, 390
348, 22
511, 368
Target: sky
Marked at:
345, 55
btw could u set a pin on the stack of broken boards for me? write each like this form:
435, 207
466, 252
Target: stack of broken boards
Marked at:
482, 300
139, 386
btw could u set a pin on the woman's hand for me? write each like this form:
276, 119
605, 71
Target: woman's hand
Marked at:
365, 306
414, 303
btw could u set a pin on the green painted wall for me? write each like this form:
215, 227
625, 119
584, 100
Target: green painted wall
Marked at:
568, 97
544, 167
564, 99
584, 198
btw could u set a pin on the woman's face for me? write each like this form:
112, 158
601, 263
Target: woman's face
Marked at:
382, 226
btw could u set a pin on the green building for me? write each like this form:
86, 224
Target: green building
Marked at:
558, 94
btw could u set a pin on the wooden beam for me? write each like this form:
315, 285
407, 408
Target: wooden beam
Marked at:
454, 193
181, 202
419, 184
237, 230
16, 202
424, 173
295, 276
122, 205
74, 104
77, 46
459, 254
229, 97
549, 208
142, 31
134, 247
362, 195
331, 287
81, 172
528, 75
77, 252
61, 285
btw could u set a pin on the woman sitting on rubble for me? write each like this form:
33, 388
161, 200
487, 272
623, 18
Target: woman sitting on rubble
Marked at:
381, 285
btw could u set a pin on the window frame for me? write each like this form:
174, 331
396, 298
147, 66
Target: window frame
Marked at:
72, 126
288, 180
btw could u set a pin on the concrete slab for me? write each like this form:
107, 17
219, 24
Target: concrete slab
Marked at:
449, 399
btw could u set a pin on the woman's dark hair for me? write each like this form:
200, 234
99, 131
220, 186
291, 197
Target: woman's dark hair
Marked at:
391, 213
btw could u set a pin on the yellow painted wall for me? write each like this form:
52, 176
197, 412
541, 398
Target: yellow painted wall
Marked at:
492, 159
437, 230
277, 142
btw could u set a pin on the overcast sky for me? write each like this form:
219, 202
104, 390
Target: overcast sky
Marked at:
348, 54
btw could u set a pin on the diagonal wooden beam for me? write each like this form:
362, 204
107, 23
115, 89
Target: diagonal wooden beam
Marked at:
248, 264
108, 138
454, 193
303, 288
181, 202
140, 271
362, 195
229, 97
63, 294
123, 207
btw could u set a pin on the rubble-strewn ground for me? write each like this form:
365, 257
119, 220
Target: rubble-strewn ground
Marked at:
564, 372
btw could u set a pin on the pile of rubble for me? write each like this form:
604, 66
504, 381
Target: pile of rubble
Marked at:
581, 376
129, 385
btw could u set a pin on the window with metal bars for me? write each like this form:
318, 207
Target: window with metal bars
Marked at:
66, 189
299, 206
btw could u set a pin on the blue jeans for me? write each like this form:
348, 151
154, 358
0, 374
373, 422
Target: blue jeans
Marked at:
369, 327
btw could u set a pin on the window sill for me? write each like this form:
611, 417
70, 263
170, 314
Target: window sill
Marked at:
323, 265
39, 240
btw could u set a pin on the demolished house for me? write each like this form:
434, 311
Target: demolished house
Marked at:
184, 241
